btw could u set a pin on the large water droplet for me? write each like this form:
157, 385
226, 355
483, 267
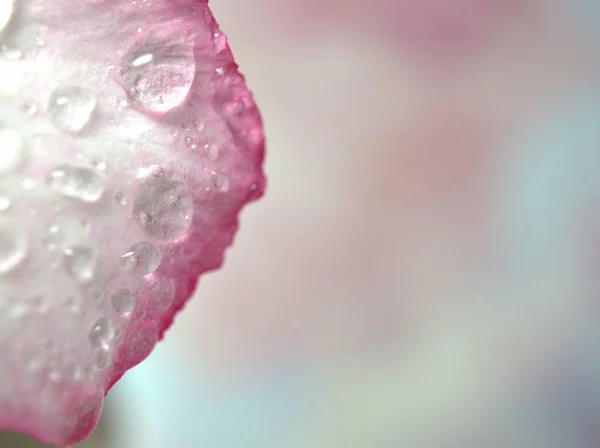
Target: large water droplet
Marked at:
13, 247
142, 258
77, 182
12, 149
164, 208
123, 301
79, 262
71, 108
140, 345
102, 332
7, 8
161, 293
158, 75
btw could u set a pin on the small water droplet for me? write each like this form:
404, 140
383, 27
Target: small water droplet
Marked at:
40, 304
191, 142
102, 359
100, 165
4, 204
123, 301
72, 304
79, 262
102, 332
220, 181
120, 198
157, 171
28, 184
77, 182
145, 218
18, 311
13, 150
158, 75
220, 41
153, 170
161, 293
142, 258
7, 8
140, 345
13, 247
71, 108
10, 54
164, 208
73, 371
30, 107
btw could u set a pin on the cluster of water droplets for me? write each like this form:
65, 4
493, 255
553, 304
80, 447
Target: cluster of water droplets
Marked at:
107, 289
90, 217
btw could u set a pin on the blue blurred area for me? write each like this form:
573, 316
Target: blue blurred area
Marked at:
183, 410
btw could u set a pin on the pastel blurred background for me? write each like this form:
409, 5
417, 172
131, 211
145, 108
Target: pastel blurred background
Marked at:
424, 269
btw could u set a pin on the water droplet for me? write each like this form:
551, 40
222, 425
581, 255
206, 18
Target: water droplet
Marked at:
123, 301
39, 303
13, 149
13, 247
157, 171
140, 345
73, 371
100, 165
158, 75
120, 198
161, 293
102, 359
7, 8
220, 41
11, 54
77, 182
102, 332
72, 304
220, 181
191, 142
142, 258
18, 311
4, 204
153, 170
164, 208
28, 184
71, 108
79, 263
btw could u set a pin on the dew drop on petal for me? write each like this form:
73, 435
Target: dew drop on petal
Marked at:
123, 301
164, 208
79, 263
102, 358
13, 247
161, 293
70, 108
102, 332
142, 258
140, 345
76, 182
158, 75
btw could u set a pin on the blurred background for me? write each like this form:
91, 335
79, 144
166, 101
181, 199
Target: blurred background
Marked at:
423, 271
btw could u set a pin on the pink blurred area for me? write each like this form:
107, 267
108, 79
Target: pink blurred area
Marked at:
421, 271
